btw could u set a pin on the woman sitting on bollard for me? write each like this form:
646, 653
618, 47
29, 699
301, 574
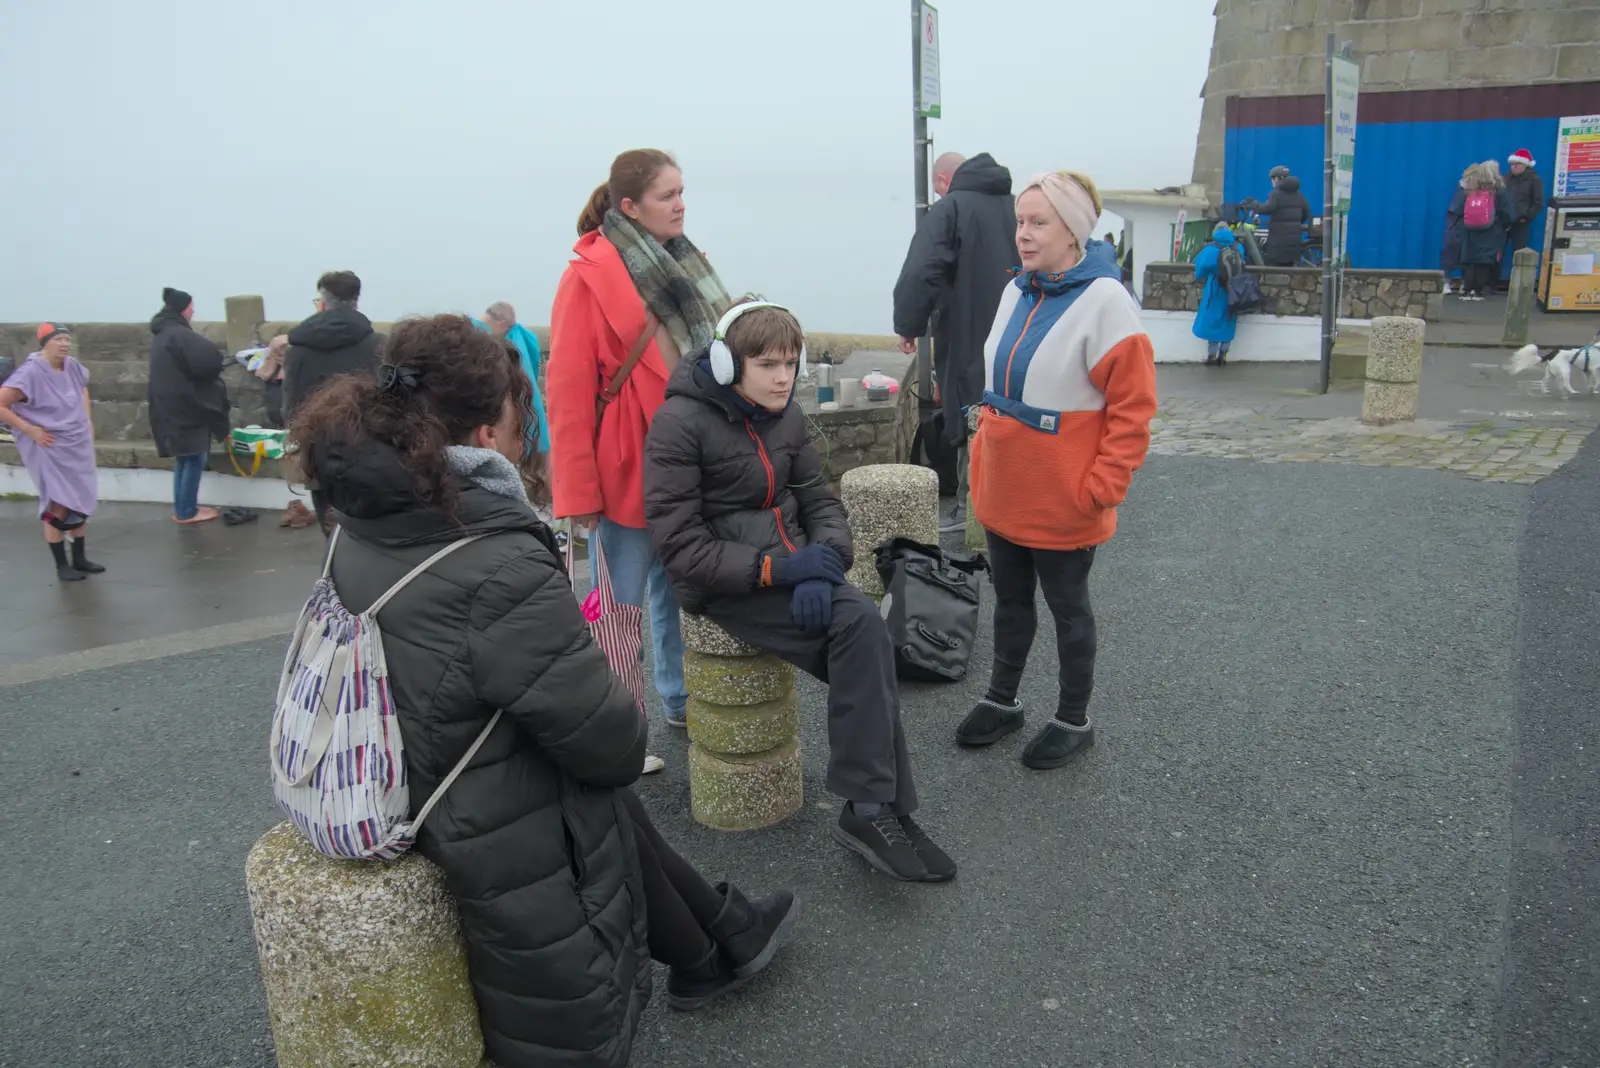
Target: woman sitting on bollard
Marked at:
46, 401
1065, 423
565, 888
753, 537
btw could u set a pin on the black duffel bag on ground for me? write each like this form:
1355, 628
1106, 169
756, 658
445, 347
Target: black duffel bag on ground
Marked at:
930, 603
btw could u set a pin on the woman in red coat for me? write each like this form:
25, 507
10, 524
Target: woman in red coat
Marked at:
635, 287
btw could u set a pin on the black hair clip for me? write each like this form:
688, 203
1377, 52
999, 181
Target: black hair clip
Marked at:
392, 379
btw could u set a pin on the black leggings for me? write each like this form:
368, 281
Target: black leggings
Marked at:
679, 903
1017, 571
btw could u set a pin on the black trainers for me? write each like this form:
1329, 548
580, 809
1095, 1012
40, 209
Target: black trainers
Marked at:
1057, 743
882, 842
988, 722
941, 869
749, 932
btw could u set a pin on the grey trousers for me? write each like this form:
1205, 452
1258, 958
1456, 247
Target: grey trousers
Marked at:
867, 755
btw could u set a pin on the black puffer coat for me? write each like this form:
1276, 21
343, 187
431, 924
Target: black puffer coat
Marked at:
722, 489
188, 401
1289, 211
955, 271
533, 838
339, 341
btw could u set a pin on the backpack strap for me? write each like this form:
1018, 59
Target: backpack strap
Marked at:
377, 606
333, 540
455, 772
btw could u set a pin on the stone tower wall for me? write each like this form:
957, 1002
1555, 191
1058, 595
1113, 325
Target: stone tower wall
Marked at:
1276, 48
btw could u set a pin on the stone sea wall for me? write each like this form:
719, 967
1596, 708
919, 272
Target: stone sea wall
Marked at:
1298, 290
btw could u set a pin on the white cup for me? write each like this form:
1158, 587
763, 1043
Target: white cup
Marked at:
848, 390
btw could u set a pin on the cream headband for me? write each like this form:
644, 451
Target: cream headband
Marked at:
1071, 201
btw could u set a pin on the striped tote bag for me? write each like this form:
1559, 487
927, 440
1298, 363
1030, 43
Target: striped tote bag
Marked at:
618, 628
338, 761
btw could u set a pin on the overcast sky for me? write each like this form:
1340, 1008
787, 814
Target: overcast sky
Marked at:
442, 151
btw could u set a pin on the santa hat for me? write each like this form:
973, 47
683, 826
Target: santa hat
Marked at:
1522, 156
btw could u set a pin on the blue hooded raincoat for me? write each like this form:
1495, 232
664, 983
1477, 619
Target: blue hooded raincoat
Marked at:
1212, 322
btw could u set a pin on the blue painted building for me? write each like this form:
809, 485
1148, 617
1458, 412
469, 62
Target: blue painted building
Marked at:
1411, 148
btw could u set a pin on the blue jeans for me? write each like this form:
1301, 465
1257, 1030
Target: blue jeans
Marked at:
186, 472
636, 570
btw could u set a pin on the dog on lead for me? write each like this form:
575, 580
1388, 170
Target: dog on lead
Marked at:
1559, 364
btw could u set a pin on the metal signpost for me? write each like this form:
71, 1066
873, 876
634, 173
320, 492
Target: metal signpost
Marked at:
1341, 88
924, 106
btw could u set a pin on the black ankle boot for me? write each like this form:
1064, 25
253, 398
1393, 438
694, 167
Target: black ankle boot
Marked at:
749, 933
690, 988
81, 562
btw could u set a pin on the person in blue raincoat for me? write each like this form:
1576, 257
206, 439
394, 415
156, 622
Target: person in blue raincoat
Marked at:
501, 320
1212, 323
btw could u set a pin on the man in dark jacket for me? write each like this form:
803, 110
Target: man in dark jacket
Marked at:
188, 401
1289, 213
1526, 190
741, 514
958, 265
337, 340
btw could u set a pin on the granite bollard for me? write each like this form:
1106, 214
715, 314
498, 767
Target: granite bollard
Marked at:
363, 961
1394, 370
745, 767
887, 501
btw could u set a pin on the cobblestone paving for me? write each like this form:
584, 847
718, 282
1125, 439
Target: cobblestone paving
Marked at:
1491, 451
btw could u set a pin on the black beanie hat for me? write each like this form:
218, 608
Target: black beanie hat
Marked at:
175, 299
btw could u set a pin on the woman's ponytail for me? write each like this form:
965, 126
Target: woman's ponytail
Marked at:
594, 212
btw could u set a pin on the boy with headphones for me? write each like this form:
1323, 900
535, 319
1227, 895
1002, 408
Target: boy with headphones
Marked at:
752, 536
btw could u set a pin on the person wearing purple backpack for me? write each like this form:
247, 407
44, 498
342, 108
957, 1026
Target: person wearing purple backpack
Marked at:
46, 402
1482, 209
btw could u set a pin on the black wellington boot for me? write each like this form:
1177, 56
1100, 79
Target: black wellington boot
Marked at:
81, 562
749, 933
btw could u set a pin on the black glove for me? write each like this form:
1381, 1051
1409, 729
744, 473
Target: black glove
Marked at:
815, 561
811, 606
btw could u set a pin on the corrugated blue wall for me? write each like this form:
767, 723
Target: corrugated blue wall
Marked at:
1406, 173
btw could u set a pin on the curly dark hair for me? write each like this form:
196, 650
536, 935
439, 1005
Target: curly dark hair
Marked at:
462, 379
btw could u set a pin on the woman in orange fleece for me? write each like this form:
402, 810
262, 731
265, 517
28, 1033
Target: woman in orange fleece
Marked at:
1065, 422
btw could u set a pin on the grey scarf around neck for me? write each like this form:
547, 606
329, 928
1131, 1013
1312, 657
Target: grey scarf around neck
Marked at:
487, 470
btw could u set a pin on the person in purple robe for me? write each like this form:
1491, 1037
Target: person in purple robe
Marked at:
46, 402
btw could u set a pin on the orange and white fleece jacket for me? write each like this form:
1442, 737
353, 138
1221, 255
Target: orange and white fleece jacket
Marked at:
1071, 389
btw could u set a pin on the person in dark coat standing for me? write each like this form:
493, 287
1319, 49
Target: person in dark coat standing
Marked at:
565, 888
1526, 190
337, 340
188, 401
1483, 234
1289, 213
958, 265
740, 511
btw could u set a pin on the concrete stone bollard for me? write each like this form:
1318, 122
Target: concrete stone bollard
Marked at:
745, 768
1394, 370
245, 316
1519, 301
363, 961
887, 501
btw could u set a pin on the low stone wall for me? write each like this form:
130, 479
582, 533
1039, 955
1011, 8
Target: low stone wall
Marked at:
1298, 290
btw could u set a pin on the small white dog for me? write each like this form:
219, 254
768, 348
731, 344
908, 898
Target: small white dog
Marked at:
1559, 364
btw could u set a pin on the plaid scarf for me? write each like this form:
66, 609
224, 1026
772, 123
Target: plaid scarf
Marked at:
675, 281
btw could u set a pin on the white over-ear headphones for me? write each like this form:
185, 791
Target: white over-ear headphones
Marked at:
724, 368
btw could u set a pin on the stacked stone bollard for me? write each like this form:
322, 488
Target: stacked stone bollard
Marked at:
1394, 370
887, 501
363, 961
745, 768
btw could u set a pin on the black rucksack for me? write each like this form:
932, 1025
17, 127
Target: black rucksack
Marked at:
930, 604
1230, 265
1239, 286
